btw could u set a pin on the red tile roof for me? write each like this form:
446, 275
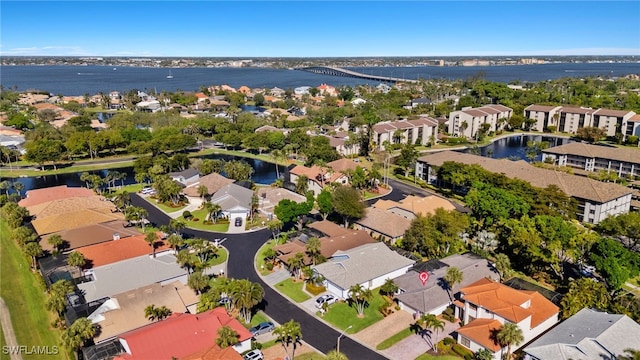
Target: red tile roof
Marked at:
179, 336
39, 196
117, 250
481, 332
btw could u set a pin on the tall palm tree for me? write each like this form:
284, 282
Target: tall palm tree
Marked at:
313, 249
33, 250
360, 297
175, 241
452, 277
198, 282
156, 313
136, 213
212, 210
76, 259
75, 336
18, 187
430, 321
226, 337
203, 191
177, 225
56, 241
289, 334
296, 263
150, 238
246, 295
509, 334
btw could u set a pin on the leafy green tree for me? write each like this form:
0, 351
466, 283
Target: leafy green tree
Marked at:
203, 252
137, 214
227, 337
44, 150
510, 334
289, 211
76, 335
238, 170
483, 354
436, 235
491, 204
288, 335
347, 201
14, 214
614, 262
627, 225
431, 322
389, 287
359, 297
302, 184
325, 205
584, 293
57, 300
503, 265
590, 134
407, 157
23, 235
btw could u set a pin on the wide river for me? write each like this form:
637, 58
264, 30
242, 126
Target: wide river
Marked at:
81, 80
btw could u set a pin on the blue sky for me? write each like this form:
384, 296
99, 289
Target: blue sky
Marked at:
319, 28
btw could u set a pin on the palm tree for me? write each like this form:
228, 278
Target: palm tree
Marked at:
56, 241
509, 334
275, 225
138, 214
289, 334
632, 355
430, 321
154, 313
336, 355
360, 297
212, 210
389, 287
203, 191
18, 187
76, 259
177, 225
33, 250
186, 260
453, 276
503, 265
176, 241
246, 295
296, 263
226, 337
150, 238
313, 249
78, 333
198, 282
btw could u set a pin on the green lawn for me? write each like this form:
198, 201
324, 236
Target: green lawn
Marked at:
394, 339
310, 356
293, 290
258, 318
221, 258
164, 207
260, 258
24, 293
342, 315
221, 225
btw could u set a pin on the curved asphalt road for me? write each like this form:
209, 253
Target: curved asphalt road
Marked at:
242, 249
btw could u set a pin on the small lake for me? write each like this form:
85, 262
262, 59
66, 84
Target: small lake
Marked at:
513, 147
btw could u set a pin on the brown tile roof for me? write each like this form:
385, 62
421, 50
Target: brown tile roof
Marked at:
541, 108
508, 302
118, 250
328, 245
480, 331
74, 219
91, 234
342, 165
328, 228
575, 186
384, 222
630, 155
71, 204
425, 205
635, 118
39, 196
213, 182
576, 110
609, 112
315, 172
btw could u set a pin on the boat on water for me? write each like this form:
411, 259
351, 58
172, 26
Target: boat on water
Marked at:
169, 76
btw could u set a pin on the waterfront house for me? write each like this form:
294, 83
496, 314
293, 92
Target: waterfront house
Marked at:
485, 306
185, 177
213, 182
587, 335
234, 200
468, 121
596, 200
625, 162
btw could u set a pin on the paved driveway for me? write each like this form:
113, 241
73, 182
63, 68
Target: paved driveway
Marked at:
242, 249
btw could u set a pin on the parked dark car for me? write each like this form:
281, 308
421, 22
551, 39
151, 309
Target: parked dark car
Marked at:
262, 328
238, 221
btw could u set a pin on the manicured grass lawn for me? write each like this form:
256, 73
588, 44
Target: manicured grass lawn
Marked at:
293, 290
132, 188
77, 167
258, 318
394, 339
221, 258
166, 208
260, 264
342, 315
310, 356
24, 293
220, 226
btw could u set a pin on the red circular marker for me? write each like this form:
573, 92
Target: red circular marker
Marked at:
424, 277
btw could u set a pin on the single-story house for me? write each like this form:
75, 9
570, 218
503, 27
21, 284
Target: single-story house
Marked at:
234, 200
354, 267
383, 224
433, 297
213, 182
185, 177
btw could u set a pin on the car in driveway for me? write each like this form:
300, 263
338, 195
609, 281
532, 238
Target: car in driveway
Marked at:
327, 298
238, 221
255, 354
262, 328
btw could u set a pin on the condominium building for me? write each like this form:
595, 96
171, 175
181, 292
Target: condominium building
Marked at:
596, 200
468, 121
419, 132
622, 161
569, 119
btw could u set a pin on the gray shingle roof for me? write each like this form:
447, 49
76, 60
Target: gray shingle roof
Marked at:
589, 334
232, 196
361, 264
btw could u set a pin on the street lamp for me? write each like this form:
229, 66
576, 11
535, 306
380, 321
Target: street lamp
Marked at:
341, 335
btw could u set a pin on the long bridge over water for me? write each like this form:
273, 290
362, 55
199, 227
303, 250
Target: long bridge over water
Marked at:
336, 71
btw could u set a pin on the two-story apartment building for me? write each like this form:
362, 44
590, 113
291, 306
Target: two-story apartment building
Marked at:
468, 121
485, 306
622, 161
419, 132
569, 119
596, 200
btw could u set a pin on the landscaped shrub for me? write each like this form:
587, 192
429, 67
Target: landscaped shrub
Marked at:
187, 214
449, 341
315, 289
195, 219
448, 315
269, 266
462, 351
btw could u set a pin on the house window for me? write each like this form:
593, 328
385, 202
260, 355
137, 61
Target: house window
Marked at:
465, 342
473, 307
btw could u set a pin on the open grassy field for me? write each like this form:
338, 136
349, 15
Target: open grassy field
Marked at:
24, 293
